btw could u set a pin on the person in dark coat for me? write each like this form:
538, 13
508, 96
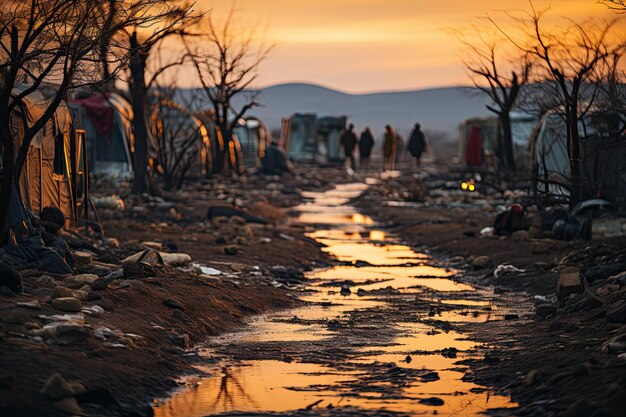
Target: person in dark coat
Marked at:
417, 143
366, 143
348, 141
275, 160
390, 146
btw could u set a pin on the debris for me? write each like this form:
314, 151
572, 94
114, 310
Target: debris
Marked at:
286, 237
70, 304
506, 269
570, 282
205, 270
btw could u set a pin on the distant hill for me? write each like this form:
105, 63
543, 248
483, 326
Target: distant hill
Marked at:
438, 110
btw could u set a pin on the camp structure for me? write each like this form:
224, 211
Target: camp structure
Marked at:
107, 120
55, 169
181, 137
480, 138
252, 139
309, 138
603, 152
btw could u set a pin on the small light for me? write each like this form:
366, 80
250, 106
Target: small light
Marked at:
472, 187
464, 185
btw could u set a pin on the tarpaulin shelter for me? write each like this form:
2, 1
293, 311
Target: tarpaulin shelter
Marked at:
54, 172
308, 138
107, 120
602, 162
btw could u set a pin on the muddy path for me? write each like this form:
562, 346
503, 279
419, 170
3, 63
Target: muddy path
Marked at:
378, 335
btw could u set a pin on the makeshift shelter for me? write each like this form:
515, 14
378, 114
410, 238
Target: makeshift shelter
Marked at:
55, 170
603, 156
253, 138
309, 138
107, 121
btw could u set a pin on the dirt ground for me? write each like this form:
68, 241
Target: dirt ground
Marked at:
554, 366
148, 342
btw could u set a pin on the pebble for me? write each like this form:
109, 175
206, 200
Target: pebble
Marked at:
58, 292
70, 304
481, 262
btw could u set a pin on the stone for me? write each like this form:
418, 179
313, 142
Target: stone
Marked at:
14, 317
83, 258
77, 281
607, 289
481, 262
99, 284
57, 388
520, 235
58, 292
531, 378
32, 305
138, 285
6, 380
111, 242
545, 310
71, 334
173, 303
181, 315
570, 282
153, 245
69, 405
180, 340
231, 250
31, 325
45, 280
617, 312
69, 304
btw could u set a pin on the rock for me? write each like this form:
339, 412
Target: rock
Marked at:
31, 325
531, 378
138, 285
45, 280
433, 401
83, 258
521, 235
181, 315
111, 242
33, 305
345, 290
481, 262
570, 282
57, 388
70, 304
173, 303
14, 317
58, 292
617, 312
607, 289
180, 340
153, 245
99, 284
69, 405
231, 250
6, 380
545, 310
78, 281
175, 258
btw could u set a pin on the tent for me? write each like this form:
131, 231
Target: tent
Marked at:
107, 121
54, 173
253, 138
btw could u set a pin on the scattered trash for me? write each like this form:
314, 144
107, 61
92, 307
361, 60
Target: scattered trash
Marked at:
93, 310
506, 269
206, 270
488, 231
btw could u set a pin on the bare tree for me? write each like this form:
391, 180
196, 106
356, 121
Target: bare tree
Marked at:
569, 65
55, 43
488, 71
617, 5
227, 63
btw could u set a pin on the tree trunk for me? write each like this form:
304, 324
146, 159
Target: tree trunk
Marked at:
7, 151
573, 145
139, 99
220, 153
507, 144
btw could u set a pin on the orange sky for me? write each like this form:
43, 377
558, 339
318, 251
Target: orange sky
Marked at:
374, 45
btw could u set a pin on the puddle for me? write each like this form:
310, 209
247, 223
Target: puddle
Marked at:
374, 336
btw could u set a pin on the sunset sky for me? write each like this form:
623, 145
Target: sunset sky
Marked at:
374, 45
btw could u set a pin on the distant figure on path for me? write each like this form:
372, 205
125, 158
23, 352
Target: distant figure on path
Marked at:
275, 160
348, 141
417, 144
366, 143
390, 145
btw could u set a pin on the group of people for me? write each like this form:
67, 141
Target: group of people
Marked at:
416, 146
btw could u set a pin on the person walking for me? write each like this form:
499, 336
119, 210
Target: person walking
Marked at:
417, 144
366, 143
348, 141
390, 146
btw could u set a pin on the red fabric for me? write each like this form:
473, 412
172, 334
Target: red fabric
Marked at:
100, 113
474, 149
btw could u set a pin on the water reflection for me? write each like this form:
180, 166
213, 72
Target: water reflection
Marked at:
368, 338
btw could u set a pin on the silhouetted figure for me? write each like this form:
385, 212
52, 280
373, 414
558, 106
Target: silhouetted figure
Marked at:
390, 146
275, 160
366, 143
348, 141
417, 143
